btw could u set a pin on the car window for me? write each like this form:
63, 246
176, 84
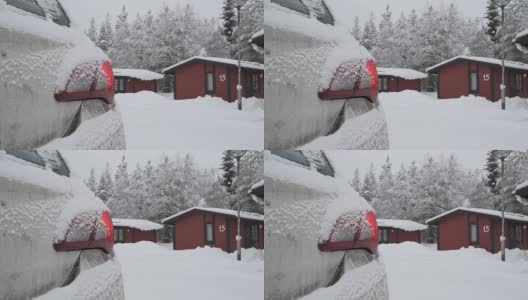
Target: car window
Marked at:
30, 6
324, 15
292, 155
55, 11
320, 162
50, 159
320, 11
295, 5
27, 155
54, 160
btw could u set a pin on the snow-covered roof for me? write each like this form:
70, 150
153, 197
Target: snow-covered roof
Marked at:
256, 35
144, 225
521, 186
406, 225
408, 74
228, 61
223, 211
138, 73
521, 34
487, 60
489, 212
257, 185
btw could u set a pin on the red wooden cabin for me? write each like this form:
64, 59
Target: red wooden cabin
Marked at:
134, 230
397, 231
479, 76
200, 76
480, 228
399, 79
215, 227
135, 80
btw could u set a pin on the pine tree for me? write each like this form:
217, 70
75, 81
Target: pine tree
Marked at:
106, 34
369, 38
91, 183
105, 187
92, 31
493, 19
229, 21
356, 181
492, 168
356, 30
369, 190
229, 168
121, 48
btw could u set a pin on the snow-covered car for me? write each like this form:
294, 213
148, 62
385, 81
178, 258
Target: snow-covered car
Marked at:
318, 77
56, 237
321, 237
56, 86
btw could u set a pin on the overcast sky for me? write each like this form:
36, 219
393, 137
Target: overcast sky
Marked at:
346, 10
82, 161
82, 11
347, 161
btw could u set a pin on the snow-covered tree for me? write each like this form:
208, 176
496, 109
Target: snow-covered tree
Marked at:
356, 181
91, 182
92, 31
229, 21
369, 38
229, 169
105, 186
493, 19
106, 34
356, 30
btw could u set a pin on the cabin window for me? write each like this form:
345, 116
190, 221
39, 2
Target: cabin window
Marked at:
383, 84
473, 238
254, 82
383, 236
120, 85
517, 238
209, 81
473, 81
119, 235
209, 233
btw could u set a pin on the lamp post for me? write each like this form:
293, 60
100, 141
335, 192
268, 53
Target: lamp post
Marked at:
502, 4
238, 5
502, 154
238, 155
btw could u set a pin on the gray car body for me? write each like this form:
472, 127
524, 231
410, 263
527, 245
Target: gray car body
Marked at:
34, 51
295, 267
298, 50
29, 265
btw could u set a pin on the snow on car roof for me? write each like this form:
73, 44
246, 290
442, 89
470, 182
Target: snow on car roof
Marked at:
406, 225
224, 211
493, 61
228, 61
408, 74
144, 225
489, 212
138, 74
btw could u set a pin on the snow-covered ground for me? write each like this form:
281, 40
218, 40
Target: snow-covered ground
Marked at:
418, 121
417, 272
155, 271
154, 121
